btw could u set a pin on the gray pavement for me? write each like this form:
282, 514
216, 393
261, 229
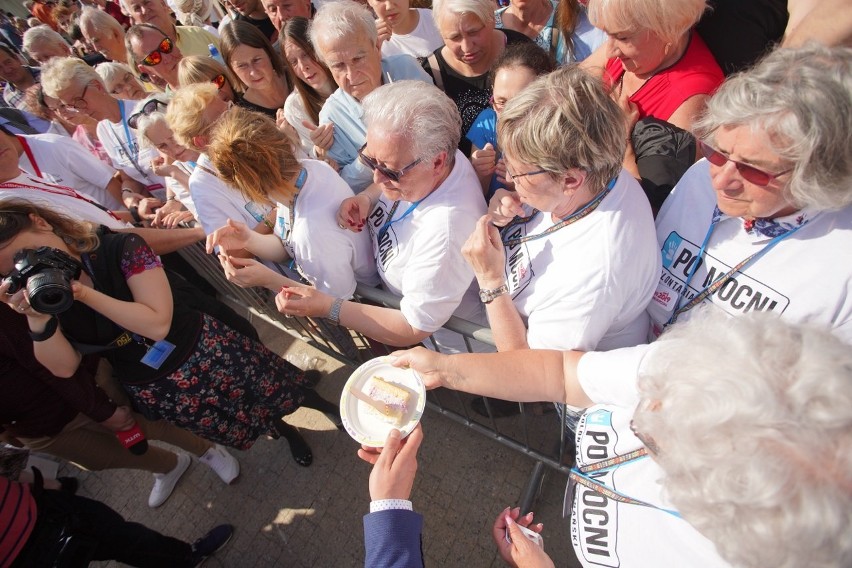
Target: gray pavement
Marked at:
287, 515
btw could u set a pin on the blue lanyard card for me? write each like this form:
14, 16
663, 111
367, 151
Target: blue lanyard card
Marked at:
158, 353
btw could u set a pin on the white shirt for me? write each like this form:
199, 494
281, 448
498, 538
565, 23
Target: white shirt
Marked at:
295, 113
805, 278
63, 161
334, 260
586, 286
605, 532
126, 155
421, 42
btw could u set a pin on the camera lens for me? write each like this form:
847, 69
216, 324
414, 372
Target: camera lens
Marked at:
50, 292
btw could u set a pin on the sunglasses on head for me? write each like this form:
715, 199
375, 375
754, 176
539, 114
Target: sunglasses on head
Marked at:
156, 56
749, 173
219, 81
393, 175
147, 108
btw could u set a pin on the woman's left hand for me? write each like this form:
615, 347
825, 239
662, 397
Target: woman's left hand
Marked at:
631, 113
246, 272
303, 301
20, 302
484, 252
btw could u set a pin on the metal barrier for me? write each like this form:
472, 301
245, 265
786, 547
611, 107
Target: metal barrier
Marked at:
529, 432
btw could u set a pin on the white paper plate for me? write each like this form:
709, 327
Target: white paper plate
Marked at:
366, 424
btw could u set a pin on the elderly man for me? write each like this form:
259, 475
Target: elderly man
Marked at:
190, 40
42, 43
18, 78
104, 33
279, 11
356, 63
153, 53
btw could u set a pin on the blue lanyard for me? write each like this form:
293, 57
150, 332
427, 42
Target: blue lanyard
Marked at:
300, 183
391, 221
130, 151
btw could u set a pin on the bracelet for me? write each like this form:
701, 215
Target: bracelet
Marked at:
47, 333
334, 313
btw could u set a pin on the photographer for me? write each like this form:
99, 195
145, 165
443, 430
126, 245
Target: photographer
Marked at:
177, 363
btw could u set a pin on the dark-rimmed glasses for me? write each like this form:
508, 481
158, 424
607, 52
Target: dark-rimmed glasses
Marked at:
79, 103
219, 81
147, 108
393, 175
749, 173
156, 56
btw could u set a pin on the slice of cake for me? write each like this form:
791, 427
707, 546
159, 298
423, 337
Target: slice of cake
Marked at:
392, 400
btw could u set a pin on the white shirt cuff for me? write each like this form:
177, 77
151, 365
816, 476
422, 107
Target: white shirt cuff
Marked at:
388, 504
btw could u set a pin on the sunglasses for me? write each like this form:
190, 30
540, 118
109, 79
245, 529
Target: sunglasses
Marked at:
156, 56
147, 108
219, 81
749, 173
393, 175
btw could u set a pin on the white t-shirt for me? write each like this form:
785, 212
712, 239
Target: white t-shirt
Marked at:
586, 286
126, 154
419, 257
216, 201
805, 278
62, 199
421, 42
605, 532
330, 258
295, 113
63, 161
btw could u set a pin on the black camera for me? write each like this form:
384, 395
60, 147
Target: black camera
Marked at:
47, 273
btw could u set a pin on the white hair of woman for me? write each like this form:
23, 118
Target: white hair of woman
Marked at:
668, 19
482, 9
62, 72
94, 19
40, 36
342, 18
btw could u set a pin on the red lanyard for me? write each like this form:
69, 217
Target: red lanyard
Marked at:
29, 154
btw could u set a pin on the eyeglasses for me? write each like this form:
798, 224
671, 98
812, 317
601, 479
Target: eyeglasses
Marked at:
156, 56
219, 81
514, 177
78, 103
497, 104
147, 108
393, 175
749, 173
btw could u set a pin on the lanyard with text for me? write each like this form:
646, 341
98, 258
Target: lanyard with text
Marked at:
391, 220
58, 190
582, 477
587, 209
300, 183
719, 282
29, 154
132, 153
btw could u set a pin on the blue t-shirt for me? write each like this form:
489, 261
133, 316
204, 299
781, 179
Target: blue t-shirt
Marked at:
482, 132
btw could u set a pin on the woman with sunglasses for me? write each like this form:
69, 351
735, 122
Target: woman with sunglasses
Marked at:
197, 69
755, 227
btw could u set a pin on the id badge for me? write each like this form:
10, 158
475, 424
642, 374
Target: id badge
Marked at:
158, 353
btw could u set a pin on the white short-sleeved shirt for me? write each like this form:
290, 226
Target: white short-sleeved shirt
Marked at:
62, 199
62, 161
334, 260
295, 113
805, 278
126, 154
421, 42
419, 257
586, 286
604, 532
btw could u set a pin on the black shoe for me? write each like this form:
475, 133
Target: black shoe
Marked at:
211, 543
68, 484
499, 408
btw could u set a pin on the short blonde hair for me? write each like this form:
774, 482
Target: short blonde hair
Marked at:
253, 155
667, 19
565, 120
186, 112
62, 72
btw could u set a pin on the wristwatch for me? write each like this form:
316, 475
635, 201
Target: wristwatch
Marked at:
487, 296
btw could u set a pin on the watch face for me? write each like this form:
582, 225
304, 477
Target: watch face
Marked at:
484, 296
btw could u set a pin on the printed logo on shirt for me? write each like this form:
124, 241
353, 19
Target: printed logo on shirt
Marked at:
519, 272
739, 295
594, 521
386, 248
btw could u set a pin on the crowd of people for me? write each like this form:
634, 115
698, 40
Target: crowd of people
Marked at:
632, 194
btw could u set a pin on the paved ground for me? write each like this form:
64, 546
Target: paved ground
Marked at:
287, 515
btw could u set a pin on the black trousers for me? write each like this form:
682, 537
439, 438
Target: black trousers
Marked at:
71, 531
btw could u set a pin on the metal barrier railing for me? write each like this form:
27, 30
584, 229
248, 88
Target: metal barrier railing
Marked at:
529, 432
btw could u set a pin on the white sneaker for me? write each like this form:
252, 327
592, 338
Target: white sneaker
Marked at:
164, 483
224, 464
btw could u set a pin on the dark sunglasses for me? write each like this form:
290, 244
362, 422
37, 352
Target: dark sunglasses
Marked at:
393, 175
219, 81
147, 108
749, 173
156, 56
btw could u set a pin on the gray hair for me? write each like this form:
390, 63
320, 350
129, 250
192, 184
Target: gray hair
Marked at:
667, 19
93, 19
752, 419
565, 120
482, 9
111, 71
41, 35
339, 19
801, 99
146, 121
419, 112
62, 72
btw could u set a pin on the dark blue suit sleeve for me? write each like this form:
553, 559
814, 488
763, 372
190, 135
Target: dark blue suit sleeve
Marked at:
392, 539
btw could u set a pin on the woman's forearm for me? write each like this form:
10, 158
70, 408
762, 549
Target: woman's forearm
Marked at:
56, 353
386, 325
506, 324
132, 316
267, 247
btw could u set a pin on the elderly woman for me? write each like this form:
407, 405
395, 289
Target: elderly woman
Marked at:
120, 81
743, 229
196, 69
461, 66
345, 37
43, 44
575, 263
104, 33
429, 203
693, 453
